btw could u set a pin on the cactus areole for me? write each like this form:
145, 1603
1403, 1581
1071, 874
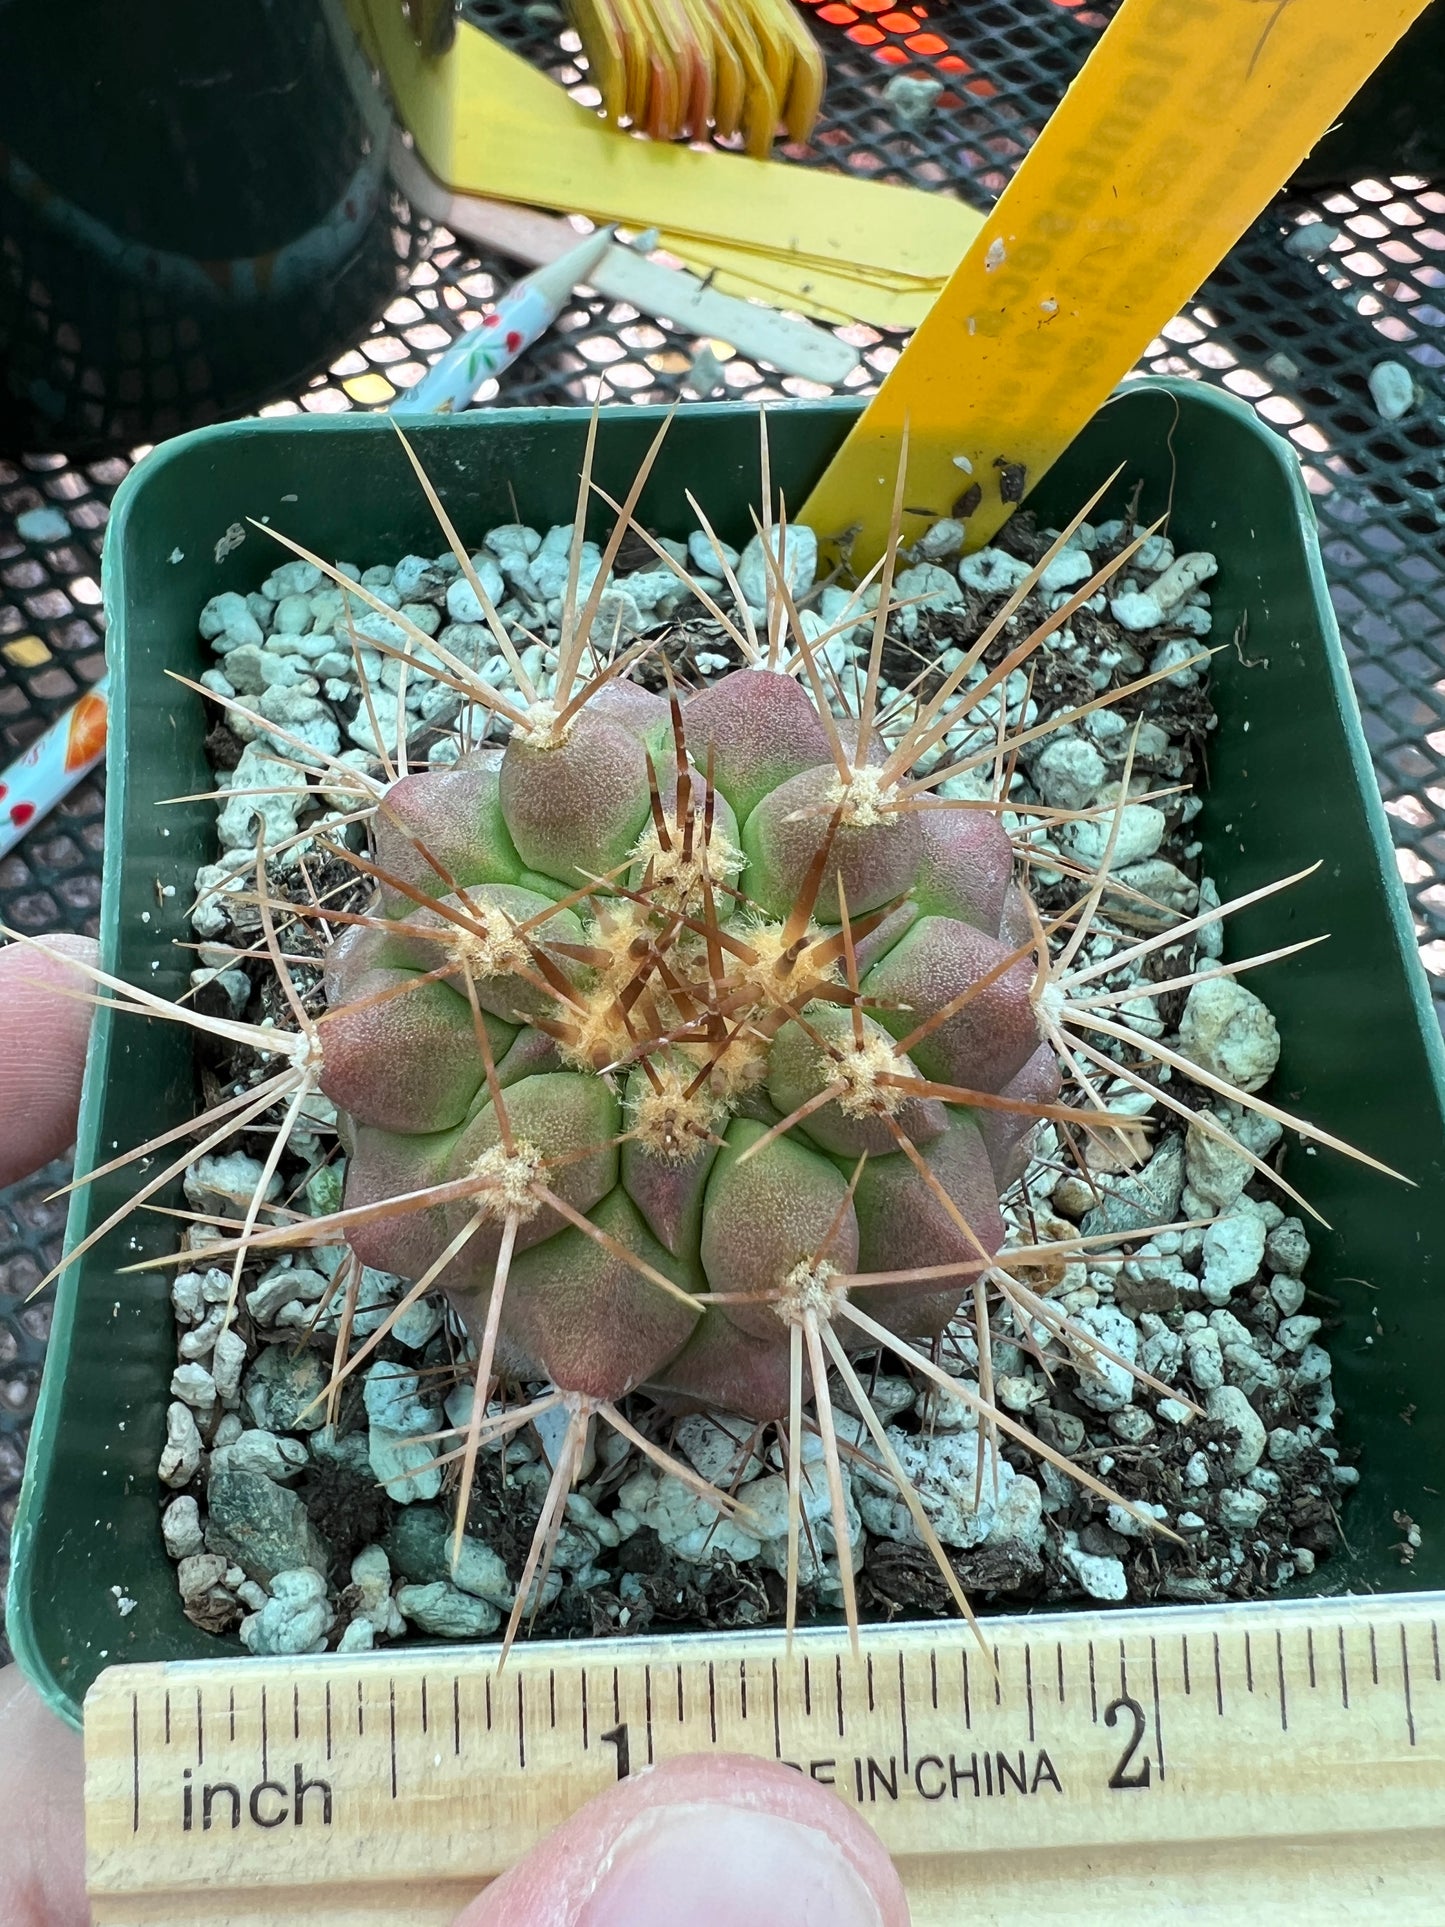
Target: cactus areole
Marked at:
672, 1021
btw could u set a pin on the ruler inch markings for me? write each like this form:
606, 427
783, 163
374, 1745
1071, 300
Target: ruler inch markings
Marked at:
1344, 1672
135, 1762
341, 1820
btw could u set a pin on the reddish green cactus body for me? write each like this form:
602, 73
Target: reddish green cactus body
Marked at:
746, 1055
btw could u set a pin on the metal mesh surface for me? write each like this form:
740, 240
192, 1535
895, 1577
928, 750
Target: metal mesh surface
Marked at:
1296, 334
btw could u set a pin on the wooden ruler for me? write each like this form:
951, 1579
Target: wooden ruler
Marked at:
1185, 119
1103, 1766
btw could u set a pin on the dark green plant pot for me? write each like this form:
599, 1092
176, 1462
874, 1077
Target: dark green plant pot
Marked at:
195, 212
1291, 781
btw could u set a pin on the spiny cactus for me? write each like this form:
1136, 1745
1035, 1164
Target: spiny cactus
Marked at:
688, 1040
692, 1059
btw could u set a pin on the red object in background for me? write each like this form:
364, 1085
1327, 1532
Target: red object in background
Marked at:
897, 37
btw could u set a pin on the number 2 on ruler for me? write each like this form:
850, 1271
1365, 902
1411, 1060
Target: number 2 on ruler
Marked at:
1121, 1777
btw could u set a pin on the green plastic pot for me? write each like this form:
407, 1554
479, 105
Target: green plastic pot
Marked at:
1290, 782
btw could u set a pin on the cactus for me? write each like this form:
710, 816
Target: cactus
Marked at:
712, 1063
688, 1040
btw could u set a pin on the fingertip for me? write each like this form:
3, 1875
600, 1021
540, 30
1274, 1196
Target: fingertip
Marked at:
42, 1858
44, 1031
716, 1840
68, 944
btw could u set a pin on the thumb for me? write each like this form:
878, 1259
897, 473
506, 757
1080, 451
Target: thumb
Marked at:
42, 1846
710, 1840
43, 1034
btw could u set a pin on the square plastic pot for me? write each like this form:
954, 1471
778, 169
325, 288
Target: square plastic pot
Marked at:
1290, 782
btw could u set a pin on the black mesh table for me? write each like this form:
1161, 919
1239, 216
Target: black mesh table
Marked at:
1293, 327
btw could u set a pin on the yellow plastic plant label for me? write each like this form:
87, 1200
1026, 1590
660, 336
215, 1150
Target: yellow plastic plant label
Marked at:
813, 288
659, 112
702, 46
597, 25
634, 56
728, 83
1188, 116
772, 39
809, 78
762, 101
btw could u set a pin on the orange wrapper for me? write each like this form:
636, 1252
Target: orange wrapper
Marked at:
52, 766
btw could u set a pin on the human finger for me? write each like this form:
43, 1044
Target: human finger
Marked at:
42, 1846
43, 1035
713, 1840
